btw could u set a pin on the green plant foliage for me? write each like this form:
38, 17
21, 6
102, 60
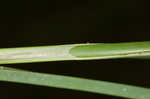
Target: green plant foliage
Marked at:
51, 80
74, 52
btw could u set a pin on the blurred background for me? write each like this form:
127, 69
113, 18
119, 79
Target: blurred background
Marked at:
53, 22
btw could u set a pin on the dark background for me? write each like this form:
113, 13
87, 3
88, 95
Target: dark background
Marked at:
53, 22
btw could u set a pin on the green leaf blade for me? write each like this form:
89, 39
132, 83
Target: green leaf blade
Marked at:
95, 86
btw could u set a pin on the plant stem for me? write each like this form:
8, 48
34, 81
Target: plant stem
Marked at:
75, 52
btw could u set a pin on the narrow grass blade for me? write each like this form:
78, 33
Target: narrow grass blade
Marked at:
75, 52
95, 86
